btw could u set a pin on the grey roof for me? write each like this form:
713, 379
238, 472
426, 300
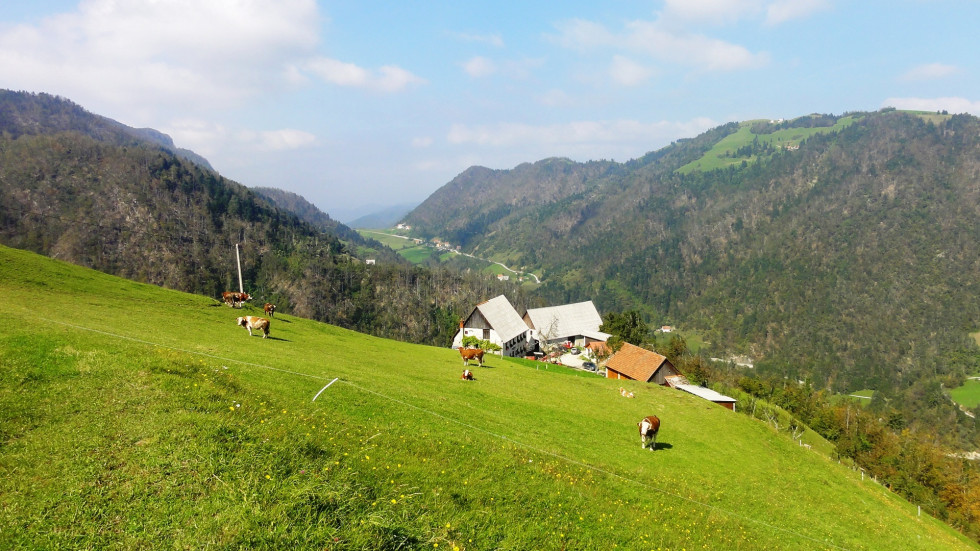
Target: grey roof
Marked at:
502, 317
706, 393
580, 318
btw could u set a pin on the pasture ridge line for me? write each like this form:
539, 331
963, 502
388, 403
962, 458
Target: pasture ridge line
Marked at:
597, 469
463, 424
177, 349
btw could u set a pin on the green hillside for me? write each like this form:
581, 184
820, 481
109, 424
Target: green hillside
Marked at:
137, 417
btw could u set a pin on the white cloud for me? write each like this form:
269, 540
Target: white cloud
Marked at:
590, 133
137, 60
655, 40
208, 138
931, 71
627, 72
166, 53
700, 51
422, 142
479, 67
386, 79
582, 35
952, 105
395, 79
714, 11
727, 12
781, 11
284, 139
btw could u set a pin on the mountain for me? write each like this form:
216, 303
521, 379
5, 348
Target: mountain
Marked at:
82, 188
34, 114
840, 249
309, 213
385, 218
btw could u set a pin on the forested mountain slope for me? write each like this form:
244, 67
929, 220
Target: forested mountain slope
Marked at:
852, 258
81, 188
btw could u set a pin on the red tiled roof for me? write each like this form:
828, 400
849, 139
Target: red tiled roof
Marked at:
599, 347
635, 362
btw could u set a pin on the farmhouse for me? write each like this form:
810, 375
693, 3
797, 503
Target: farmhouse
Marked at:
577, 323
497, 321
638, 364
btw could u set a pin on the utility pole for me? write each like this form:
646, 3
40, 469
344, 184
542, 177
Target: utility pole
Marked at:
238, 258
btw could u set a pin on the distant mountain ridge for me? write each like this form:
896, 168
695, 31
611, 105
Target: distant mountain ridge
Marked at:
309, 213
386, 218
849, 256
32, 114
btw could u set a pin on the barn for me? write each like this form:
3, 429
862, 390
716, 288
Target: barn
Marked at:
638, 364
680, 382
497, 321
710, 395
576, 323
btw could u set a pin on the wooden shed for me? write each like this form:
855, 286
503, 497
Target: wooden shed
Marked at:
638, 364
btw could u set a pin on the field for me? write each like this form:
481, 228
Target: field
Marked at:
967, 395
134, 417
722, 154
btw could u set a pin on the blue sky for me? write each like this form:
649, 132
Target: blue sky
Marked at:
361, 104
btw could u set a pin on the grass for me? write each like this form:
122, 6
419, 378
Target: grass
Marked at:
967, 395
722, 154
137, 417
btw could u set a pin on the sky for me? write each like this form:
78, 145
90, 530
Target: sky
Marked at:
362, 104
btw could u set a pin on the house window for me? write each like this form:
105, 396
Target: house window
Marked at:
486, 334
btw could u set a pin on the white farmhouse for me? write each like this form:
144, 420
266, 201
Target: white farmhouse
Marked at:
496, 321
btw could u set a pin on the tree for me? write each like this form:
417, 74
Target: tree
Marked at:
627, 327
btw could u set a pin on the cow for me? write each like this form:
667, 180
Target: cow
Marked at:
470, 354
625, 393
254, 322
467, 375
234, 298
649, 427
270, 309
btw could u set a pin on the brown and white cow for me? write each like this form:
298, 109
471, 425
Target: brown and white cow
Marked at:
649, 427
270, 309
467, 375
255, 322
471, 354
234, 298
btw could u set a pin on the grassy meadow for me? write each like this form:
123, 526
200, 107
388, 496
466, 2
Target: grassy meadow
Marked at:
722, 154
967, 395
134, 417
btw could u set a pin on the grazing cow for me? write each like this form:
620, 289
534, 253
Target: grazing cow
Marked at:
255, 322
234, 298
270, 309
467, 375
470, 354
649, 427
